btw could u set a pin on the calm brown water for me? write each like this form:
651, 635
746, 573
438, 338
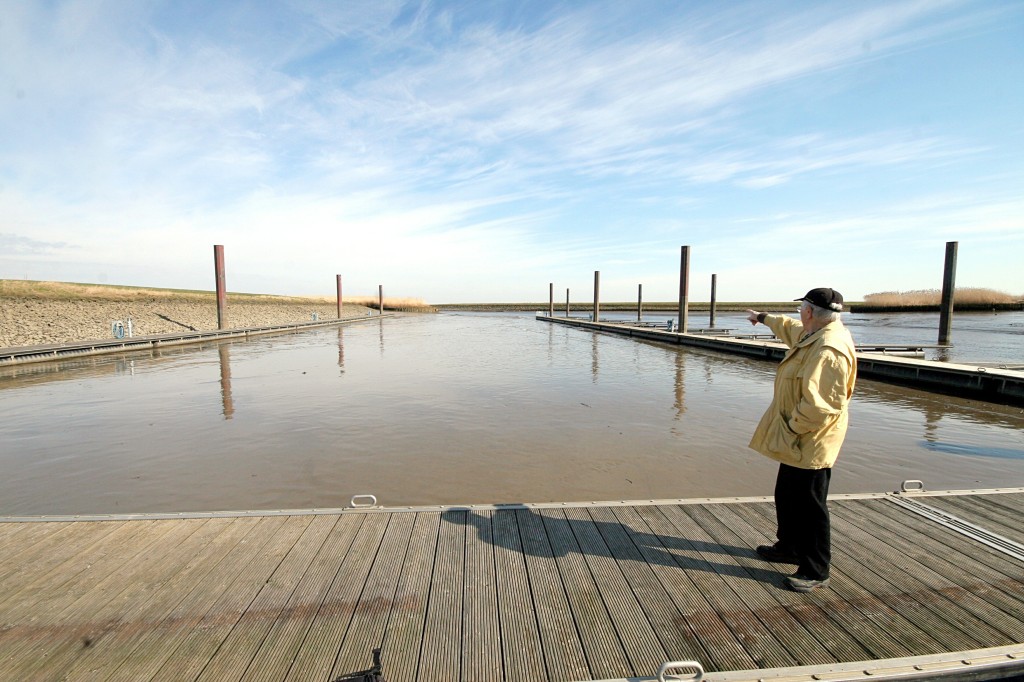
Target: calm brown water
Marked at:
447, 409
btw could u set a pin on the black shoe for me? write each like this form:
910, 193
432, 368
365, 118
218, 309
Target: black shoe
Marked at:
777, 554
801, 583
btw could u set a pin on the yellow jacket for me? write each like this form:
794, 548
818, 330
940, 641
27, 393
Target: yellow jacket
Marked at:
806, 423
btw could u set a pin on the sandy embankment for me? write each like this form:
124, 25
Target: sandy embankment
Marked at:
30, 322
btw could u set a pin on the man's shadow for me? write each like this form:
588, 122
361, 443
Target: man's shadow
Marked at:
525, 530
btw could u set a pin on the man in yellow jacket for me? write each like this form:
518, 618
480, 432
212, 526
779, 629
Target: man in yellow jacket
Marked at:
804, 429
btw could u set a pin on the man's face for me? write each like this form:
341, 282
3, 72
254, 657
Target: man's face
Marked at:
805, 313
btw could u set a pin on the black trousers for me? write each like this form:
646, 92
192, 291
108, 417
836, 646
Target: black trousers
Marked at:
802, 514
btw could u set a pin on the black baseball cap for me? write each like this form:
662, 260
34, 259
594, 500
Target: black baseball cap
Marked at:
826, 298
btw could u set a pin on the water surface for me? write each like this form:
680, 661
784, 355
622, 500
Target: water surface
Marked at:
446, 409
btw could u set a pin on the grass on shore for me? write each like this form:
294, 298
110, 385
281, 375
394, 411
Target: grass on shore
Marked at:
973, 296
73, 291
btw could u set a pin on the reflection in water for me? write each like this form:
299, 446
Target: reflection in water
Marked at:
974, 450
227, 404
594, 361
341, 349
680, 385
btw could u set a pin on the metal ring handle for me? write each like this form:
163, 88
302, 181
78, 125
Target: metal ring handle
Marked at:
372, 501
912, 485
694, 666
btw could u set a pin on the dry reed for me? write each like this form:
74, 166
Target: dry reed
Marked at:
933, 297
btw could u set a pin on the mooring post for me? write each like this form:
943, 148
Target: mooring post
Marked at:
551, 299
684, 288
714, 286
339, 296
948, 287
639, 302
597, 295
222, 296
567, 303
380, 297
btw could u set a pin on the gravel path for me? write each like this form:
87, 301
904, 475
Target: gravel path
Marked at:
30, 322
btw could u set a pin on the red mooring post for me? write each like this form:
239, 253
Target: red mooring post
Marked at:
597, 295
222, 296
380, 295
684, 288
339, 296
948, 287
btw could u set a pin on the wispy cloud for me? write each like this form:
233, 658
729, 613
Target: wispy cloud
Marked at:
510, 135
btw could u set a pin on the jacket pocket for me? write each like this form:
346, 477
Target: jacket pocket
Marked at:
782, 441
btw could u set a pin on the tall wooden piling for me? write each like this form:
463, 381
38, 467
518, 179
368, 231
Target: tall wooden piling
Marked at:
567, 303
639, 302
948, 287
222, 295
551, 299
684, 288
714, 287
339, 296
380, 297
597, 295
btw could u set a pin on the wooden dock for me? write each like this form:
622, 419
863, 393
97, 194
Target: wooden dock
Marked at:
985, 381
526, 592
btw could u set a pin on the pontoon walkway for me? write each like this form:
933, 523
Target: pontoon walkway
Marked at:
542, 592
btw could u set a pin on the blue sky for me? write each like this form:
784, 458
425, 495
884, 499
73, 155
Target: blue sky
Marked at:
476, 151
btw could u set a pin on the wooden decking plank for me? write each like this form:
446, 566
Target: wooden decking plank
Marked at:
481, 632
662, 613
893, 633
757, 588
644, 649
1008, 503
908, 586
401, 648
563, 651
854, 581
239, 647
282, 643
761, 643
977, 509
96, 615
24, 543
370, 618
10, 531
56, 558
841, 630
520, 637
829, 638
991, 595
987, 511
153, 648
554, 593
158, 592
890, 580
440, 657
194, 652
601, 645
721, 650
316, 658
43, 613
